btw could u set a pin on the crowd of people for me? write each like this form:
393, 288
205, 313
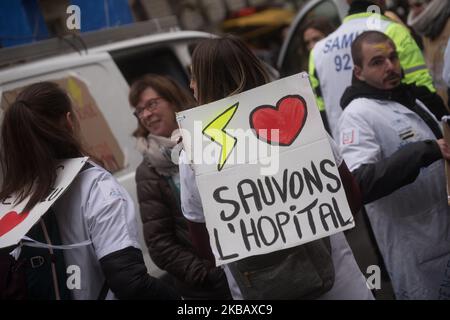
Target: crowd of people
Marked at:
382, 100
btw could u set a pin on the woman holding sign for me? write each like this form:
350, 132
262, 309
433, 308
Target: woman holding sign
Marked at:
155, 99
223, 67
39, 129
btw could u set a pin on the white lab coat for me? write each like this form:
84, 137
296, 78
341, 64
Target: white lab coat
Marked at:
411, 225
96, 208
349, 282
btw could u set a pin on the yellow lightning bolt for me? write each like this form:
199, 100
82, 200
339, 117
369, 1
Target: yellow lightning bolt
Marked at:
215, 130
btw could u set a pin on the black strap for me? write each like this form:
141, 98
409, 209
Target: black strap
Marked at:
431, 123
86, 166
103, 291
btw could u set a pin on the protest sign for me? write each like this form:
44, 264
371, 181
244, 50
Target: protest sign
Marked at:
15, 223
265, 170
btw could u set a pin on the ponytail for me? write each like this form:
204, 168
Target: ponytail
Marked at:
35, 136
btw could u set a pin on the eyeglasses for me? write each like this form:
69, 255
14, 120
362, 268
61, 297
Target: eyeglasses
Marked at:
150, 105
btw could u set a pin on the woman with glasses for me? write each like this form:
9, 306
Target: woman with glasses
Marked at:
155, 99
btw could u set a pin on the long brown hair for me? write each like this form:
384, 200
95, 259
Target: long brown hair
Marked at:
225, 66
35, 135
167, 88
321, 24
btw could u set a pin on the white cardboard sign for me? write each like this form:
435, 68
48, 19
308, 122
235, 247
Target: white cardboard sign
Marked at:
14, 223
265, 170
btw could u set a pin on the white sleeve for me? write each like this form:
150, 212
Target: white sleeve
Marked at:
110, 217
191, 204
357, 140
446, 68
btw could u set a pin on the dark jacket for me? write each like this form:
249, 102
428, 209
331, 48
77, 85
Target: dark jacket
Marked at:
167, 238
405, 94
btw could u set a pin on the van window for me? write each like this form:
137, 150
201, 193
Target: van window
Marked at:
297, 55
135, 62
98, 138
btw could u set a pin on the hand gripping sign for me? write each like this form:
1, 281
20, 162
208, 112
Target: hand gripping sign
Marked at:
15, 223
265, 170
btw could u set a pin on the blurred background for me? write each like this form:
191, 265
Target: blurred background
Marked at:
129, 38
261, 23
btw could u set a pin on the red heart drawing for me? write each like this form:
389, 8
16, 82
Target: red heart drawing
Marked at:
10, 220
288, 116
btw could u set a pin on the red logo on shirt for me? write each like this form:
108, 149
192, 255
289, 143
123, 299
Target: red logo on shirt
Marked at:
348, 137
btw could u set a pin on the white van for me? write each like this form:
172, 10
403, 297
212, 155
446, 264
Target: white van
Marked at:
97, 77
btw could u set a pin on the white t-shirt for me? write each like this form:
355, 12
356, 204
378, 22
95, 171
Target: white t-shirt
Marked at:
96, 208
191, 206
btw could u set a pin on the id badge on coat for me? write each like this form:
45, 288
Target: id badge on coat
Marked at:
405, 131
